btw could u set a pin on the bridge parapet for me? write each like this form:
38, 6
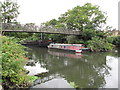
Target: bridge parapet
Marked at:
22, 27
37, 29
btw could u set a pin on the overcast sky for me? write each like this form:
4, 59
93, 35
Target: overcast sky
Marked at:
39, 11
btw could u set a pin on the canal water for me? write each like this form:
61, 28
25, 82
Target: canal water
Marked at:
63, 69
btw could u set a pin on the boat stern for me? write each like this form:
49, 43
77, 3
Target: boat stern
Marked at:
78, 51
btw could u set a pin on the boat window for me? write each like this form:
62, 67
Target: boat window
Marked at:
60, 46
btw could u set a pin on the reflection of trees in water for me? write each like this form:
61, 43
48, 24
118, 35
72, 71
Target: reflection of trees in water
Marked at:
87, 72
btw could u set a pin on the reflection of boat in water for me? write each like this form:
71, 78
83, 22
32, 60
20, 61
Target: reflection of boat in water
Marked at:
65, 54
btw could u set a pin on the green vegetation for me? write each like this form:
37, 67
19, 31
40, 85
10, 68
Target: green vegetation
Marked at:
116, 40
80, 18
99, 44
21, 36
12, 54
88, 19
74, 85
13, 61
9, 11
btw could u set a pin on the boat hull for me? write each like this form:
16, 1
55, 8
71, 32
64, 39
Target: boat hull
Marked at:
76, 51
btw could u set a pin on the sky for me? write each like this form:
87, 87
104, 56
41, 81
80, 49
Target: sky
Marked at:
39, 11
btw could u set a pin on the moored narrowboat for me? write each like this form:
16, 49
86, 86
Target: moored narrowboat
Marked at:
72, 47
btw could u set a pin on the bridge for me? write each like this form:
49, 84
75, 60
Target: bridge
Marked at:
37, 29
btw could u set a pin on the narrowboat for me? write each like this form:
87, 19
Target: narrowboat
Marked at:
72, 47
41, 43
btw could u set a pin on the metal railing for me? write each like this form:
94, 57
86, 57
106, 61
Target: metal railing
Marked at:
35, 29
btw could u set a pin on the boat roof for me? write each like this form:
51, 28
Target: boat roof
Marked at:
66, 44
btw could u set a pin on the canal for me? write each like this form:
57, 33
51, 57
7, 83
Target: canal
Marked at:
86, 70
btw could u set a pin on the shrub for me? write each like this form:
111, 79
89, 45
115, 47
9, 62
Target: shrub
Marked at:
98, 44
111, 39
13, 61
116, 41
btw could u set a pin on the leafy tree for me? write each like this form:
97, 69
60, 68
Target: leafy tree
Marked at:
82, 17
9, 11
88, 19
53, 22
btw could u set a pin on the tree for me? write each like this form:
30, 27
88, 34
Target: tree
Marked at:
9, 11
84, 17
88, 19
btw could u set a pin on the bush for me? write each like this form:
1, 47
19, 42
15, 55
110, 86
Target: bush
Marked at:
116, 41
23, 36
98, 44
13, 61
111, 39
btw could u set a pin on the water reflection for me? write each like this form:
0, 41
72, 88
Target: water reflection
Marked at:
34, 68
88, 70
67, 54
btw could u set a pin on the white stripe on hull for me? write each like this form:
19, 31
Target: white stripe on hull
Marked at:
78, 51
